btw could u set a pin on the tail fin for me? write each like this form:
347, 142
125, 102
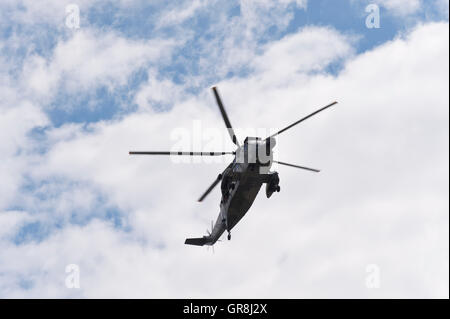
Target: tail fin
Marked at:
196, 241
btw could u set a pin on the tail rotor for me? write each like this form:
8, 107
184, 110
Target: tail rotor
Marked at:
209, 232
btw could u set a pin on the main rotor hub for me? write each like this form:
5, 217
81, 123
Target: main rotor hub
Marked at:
256, 150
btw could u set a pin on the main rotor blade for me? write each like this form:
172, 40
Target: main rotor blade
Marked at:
301, 120
214, 184
183, 153
297, 166
225, 116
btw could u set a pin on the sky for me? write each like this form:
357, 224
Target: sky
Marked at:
84, 82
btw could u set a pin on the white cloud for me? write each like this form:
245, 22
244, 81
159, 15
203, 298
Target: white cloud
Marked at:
401, 8
90, 59
16, 121
177, 15
236, 38
158, 91
311, 50
50, 12
11, 221
406, 8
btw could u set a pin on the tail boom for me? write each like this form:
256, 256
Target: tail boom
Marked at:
196, 241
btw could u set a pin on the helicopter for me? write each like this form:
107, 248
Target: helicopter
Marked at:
243, 178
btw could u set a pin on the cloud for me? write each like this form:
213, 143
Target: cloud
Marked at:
401, 7
90, 59
176, 16
11, 221
432, 10
310, 50
16, 146
233, 39
50, 12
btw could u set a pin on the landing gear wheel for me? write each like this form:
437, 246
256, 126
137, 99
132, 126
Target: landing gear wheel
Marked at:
278, 189
229, 236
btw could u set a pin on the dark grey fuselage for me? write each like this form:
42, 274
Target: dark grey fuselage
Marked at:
240, 185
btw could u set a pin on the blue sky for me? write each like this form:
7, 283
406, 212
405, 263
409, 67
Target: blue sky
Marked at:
139, 22
74, 101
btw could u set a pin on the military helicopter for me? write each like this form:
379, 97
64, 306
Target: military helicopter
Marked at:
242, 178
